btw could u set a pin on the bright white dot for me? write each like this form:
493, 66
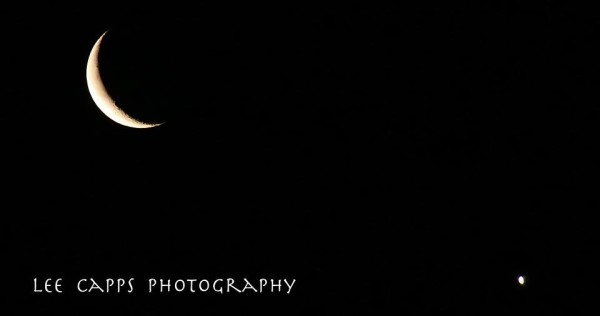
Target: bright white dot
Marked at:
521, 280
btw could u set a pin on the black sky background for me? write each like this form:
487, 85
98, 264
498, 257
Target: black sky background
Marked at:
417, 157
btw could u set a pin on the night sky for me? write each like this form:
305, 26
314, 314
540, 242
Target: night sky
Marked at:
415, 158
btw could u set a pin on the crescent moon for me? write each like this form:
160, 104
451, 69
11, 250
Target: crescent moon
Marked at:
102, 98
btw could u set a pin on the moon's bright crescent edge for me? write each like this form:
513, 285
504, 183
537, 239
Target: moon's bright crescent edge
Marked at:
101, 97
